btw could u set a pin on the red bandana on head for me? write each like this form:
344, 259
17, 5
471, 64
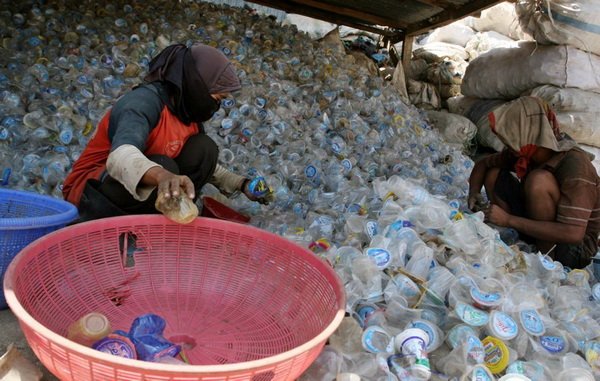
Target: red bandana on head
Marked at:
525, 155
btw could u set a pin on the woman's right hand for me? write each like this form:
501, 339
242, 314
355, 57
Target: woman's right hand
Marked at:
170, 184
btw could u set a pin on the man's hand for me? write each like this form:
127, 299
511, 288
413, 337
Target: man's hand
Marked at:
475, 202
169, 184
496, 215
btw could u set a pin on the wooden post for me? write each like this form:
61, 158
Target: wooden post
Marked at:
407, 46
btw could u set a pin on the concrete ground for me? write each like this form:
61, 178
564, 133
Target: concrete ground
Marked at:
10, 332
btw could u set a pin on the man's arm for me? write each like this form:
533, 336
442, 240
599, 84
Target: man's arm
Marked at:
550, 231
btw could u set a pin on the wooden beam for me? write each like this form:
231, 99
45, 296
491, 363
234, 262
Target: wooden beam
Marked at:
450, 15
407, 46
331, 17
353, 13
444, 4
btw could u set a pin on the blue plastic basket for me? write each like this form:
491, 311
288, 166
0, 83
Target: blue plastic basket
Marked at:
24, 217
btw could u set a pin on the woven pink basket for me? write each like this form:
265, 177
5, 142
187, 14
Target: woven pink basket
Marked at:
245, 304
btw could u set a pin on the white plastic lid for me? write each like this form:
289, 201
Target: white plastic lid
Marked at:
95, 323
514, 377
347, 377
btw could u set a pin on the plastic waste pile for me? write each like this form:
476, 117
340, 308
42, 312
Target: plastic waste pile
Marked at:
357, 176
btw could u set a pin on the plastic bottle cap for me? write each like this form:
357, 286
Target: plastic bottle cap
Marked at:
95, 323
502, 325
532, 322
496, 354
514, 377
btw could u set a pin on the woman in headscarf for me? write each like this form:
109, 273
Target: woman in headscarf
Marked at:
542, 184
152, 140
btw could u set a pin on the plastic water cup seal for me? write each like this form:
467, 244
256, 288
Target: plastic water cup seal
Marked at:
376, 340
433, 333
381, 257
532, 322
471, 315
414, 341
486, 300
496, 354
554, 342
478, 373
502, 326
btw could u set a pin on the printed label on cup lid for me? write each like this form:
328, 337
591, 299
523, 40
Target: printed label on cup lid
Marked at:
481, 373
371, 228
471, 315
430, 330
485, 299
364, 311
496, 354
532, 322
553, 344
381, 256
503, 326
368, 340
116, 345
475, 349
459, 333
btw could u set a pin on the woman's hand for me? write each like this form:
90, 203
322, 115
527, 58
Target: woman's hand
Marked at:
171, 185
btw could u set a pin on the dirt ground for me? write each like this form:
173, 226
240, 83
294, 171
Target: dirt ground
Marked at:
10, 332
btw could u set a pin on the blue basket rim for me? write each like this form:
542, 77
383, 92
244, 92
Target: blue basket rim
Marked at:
67, 212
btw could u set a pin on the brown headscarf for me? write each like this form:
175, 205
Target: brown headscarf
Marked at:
525, 124
192, 75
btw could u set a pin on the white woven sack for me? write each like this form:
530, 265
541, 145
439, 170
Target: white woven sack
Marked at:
456, 33
581, 126
455, 129
508, 73
564, 22
501, 18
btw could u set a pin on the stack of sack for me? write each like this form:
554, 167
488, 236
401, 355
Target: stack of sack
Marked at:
441, 57
561, 66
